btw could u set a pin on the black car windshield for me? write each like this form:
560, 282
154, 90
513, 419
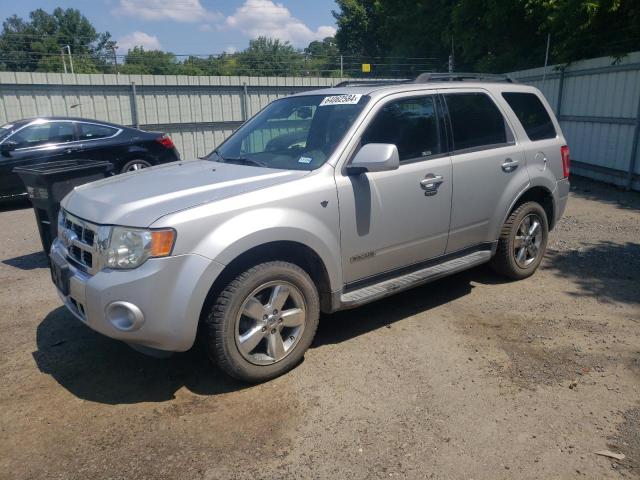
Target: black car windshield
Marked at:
6, 129
294, 133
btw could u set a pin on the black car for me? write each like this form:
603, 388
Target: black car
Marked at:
48, 139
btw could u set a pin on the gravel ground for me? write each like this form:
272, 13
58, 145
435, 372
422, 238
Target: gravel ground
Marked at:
468, 377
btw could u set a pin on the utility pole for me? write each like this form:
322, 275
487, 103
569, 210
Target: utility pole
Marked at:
451, 58
546, 61
70, 58
64, 64
341, 66
115, 59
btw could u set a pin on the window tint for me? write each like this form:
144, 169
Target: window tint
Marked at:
532, 115
475, 120
43, 133
410, 124
89, 131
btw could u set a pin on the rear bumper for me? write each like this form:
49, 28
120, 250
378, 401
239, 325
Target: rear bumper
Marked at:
562, 195
167, 293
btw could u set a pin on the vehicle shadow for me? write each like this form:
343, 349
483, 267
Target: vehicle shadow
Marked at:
30, 261
606, 270
99, 369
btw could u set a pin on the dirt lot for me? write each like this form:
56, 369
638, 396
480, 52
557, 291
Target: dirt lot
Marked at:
469, 377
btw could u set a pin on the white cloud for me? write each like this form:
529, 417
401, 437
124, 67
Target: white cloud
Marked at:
265, 18
138, 39
205, 27
180, 11
230, 50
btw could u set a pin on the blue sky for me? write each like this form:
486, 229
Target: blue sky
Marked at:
196, 26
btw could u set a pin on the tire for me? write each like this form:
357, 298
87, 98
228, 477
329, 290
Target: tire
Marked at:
130, 165
509, 259
246, 334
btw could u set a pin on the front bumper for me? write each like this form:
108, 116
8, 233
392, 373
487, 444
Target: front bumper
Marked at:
169, 292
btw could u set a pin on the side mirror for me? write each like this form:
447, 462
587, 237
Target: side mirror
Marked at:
375, 157
8, 146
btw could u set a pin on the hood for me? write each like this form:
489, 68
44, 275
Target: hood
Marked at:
137, 199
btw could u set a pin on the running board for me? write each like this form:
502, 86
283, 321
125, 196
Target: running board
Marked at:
409, 280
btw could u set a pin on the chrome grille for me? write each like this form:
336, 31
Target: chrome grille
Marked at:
78, 236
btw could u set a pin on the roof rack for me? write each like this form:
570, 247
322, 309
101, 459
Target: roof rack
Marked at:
370, 83
463, 77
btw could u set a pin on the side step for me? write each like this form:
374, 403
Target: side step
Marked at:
409, 280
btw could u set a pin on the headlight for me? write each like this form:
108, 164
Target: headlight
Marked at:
131, 247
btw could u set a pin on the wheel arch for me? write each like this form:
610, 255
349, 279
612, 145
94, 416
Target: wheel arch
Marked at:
283, 250
539, 194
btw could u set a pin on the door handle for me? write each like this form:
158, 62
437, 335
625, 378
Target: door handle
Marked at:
510, 165
431, 182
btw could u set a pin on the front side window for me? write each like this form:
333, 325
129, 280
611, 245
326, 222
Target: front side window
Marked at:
90, 131
476, 121
411, 124
294, 133
532, 115
43, 133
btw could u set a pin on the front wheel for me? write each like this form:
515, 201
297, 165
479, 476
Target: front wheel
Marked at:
522, 242
263, 322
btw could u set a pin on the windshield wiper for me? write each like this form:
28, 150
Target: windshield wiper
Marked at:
243, 161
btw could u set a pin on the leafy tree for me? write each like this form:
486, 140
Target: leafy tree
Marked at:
35, 44
150, 62
266, 56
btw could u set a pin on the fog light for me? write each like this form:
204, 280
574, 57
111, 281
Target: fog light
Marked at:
125, 316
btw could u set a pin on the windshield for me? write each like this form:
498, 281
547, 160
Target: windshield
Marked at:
5, 130
294, 133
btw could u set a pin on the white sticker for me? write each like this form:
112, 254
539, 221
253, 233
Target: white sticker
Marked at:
346, 99
305, 160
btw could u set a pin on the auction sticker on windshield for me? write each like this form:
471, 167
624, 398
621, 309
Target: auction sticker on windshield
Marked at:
346, 99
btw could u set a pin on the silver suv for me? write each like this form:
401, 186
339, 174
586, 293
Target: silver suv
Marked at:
323, 201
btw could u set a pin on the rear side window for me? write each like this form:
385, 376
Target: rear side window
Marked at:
532, 115
411, 124
89, 131
476, 121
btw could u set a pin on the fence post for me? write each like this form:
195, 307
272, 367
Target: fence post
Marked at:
245, 104
634, 149
134, 105
560, 88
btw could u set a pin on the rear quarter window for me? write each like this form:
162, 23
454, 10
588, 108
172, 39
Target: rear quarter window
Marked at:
90, 131
532, 115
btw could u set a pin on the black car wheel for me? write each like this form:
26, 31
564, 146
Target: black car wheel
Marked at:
135, 165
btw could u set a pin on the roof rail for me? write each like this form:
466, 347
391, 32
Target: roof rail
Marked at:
462, 77
370, 83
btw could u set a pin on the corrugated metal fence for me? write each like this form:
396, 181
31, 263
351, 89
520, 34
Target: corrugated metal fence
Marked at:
598, 104
198, 112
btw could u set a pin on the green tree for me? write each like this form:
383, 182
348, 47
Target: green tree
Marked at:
267, 56
150, 62
35, 44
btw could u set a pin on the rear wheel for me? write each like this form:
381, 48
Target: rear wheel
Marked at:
135, 165
522, 242
263, 321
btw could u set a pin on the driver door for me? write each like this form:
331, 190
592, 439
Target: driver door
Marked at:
36, 143
388, 220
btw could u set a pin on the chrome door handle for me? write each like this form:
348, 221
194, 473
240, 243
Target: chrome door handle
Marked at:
431, 182
510, 165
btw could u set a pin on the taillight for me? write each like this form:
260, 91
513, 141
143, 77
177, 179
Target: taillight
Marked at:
165, 141
564, 153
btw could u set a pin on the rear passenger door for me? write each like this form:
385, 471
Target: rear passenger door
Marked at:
98, 141
488, 167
